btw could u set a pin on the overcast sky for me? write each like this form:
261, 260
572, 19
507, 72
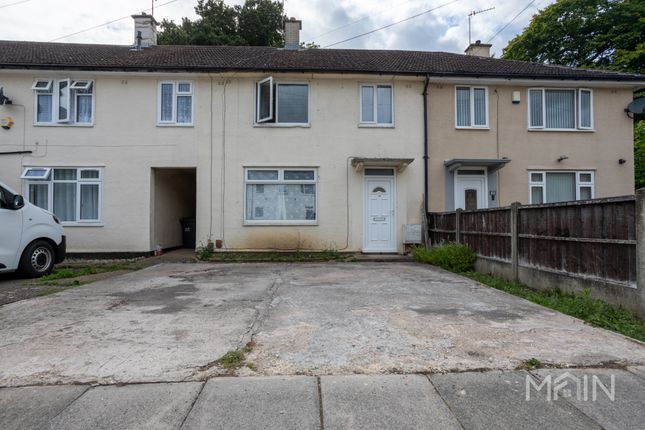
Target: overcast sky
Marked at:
444, 29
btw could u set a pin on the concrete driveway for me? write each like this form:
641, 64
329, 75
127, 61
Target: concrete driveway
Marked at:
171, 322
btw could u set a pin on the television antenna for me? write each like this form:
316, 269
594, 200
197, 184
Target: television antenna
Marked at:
153, 8
470, 15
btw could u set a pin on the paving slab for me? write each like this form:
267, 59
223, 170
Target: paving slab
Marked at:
278, 403
33, 407
497, 400
140, 406
383, 402
622, 408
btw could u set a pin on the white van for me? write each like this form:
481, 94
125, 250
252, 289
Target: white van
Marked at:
32, 239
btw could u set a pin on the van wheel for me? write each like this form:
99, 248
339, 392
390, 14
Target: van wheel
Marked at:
38, 259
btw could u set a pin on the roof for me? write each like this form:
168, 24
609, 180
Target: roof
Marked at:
69, 56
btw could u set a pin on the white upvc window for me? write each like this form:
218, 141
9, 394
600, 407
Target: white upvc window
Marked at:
471, 107
63, 102
376, 104
74, 194
285, 103
560, 109
175, 103
280, 196
560, 186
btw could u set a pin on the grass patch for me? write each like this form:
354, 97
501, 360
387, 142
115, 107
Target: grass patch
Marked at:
274, 257
451, 256
529, 364
75, 272
235, 359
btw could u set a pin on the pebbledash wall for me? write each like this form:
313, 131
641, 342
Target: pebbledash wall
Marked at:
127, 143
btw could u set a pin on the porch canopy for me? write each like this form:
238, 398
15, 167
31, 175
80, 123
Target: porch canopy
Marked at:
400, 164
492, 163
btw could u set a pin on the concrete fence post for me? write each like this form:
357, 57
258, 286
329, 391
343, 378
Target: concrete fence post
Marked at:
515, 240
640, 248
458, 225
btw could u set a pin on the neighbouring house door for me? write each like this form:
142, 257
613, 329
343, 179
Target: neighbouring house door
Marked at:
470, 192
379, 235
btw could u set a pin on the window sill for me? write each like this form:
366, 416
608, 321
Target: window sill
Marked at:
52, 124
280, 224
285, 125
472, 128
175, 125
82, 224
369, 125
561, 130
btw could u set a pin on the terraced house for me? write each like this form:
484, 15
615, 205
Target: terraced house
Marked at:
297, 148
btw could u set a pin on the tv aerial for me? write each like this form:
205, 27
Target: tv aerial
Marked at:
470, 15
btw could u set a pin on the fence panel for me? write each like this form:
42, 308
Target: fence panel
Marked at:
441, 227
487, 232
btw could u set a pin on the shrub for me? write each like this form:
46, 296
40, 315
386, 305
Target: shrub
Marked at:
451, 256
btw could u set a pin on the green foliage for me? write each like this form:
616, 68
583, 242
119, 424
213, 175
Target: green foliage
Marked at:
607, 34
639, 153
255, 23
74, 272
451, 256
530, 364
205, 252
580, 305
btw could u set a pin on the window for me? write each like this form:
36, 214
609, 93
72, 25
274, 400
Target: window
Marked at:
281, 103
73, 194
560, 109
176, 103
280, 196
553, 187
376, 104
471, 107
64, 101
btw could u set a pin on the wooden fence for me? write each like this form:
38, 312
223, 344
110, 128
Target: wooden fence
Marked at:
574, 245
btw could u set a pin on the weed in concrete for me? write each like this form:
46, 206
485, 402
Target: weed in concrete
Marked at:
75, 272
235, 359
530, 364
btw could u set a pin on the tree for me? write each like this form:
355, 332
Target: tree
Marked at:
255, 23
605, 34
639, 153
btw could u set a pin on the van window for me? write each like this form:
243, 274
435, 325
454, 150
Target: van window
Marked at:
4, 198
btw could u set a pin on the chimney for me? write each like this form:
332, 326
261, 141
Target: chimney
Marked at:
145, 30
478, 49
292, 29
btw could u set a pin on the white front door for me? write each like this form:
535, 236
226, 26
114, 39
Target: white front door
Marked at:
470, 191
379, 235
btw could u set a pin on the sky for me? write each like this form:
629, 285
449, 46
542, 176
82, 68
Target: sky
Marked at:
324, 22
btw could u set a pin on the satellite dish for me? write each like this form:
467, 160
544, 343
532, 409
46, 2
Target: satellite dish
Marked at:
635, 107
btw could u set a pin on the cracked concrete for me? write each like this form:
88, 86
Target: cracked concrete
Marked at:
172, 321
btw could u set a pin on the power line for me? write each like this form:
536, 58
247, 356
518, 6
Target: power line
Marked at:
313, 39
106, 23
511, 21
392, 24
14, 3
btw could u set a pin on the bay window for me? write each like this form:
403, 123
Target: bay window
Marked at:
560, 109
281, 102
471, 107
73, 194
376, 104
280, 196
553, 187
64, 101
175, 103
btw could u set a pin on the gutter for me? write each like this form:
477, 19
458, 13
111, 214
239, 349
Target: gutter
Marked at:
425, 144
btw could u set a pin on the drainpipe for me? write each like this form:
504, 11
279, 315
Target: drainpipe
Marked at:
425, 143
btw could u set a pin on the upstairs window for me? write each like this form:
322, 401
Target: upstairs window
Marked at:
560, 109
281, 103
175, 103
471, 107
376, 104
64, 101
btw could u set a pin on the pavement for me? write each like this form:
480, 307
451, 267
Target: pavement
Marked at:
470, 400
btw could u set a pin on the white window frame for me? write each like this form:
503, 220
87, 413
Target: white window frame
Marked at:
274, 100
72, 91
577, 108
471, 91
176, 93
281, 181
50, 181
579, 183
44, 176
374, 123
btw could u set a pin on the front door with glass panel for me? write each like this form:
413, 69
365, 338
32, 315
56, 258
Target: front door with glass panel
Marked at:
379, 235
470, 190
